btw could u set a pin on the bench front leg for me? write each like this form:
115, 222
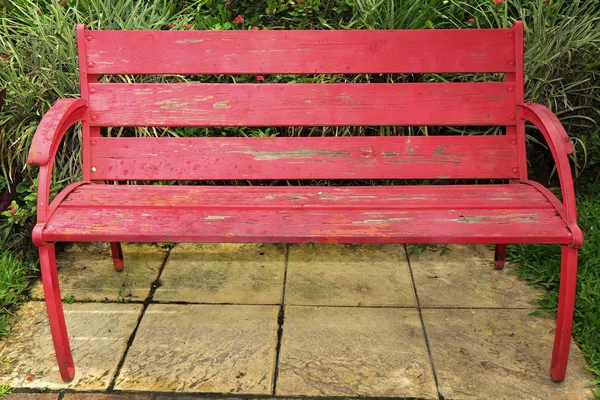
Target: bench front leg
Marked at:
560, 146
47, 138
56, 316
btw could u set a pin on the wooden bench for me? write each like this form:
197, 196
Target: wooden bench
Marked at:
516, 211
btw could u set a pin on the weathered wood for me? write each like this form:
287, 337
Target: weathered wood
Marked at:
335, 104
307, 52
406, 157
461, 225
306, 197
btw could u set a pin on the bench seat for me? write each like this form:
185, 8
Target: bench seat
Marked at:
367, 214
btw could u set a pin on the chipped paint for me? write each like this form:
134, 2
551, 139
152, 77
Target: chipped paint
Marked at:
299, 153
190, 41
221, 104
382, 221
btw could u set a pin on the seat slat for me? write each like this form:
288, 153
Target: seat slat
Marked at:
307, 197
448, 214
309, 52
335, 104
373, 157
298, 226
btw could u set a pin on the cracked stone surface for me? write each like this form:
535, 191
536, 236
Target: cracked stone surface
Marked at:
464, 276
203, 348
472, 349
349, 275
343, 351
224, 273
98, 334
86, 272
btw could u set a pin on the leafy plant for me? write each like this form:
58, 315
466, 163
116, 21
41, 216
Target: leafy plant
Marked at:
14, 281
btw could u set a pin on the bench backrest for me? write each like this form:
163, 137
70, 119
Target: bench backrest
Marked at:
336, 104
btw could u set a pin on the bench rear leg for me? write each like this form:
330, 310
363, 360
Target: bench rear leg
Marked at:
117, 256
564, 321
500, 256
56, 315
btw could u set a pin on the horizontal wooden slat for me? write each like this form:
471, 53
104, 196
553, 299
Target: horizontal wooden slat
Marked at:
265, 52
375, 157
490, 103
460, 225
306, 197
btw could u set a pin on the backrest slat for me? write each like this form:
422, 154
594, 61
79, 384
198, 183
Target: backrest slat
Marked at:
301, 52
302, 104
359, 157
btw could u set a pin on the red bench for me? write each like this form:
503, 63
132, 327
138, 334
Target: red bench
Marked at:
518, 211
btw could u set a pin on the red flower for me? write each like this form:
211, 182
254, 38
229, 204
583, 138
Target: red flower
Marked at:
29, 377
39, 12
260, 78
471, 20
171, 24
498, 1
255, 28
188, 25
239, 19
12, 209
3, 59
228, 2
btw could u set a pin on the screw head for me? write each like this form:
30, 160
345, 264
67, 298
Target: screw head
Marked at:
511, 35
513, 116
89, 38
515, 170
93, 142
511, 63
511, 89
93, 169
93, 117
90, 65
92, 90
513, 142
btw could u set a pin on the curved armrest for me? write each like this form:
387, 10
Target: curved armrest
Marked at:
52, 128
44, 146
560, 146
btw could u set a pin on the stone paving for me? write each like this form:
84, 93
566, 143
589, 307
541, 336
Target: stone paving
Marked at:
288, 321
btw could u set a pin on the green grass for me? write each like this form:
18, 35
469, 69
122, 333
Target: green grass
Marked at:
5, 390
15, 275
540, 264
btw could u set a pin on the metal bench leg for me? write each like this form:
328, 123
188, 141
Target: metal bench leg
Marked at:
500, 256
117, 256
564, 321
55, 312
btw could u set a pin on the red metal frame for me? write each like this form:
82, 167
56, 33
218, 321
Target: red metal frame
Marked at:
523, 212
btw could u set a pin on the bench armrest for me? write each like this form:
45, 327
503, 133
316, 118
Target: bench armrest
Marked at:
44, 146
560, 145
52, 128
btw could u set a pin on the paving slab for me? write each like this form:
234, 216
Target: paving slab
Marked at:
348, 275
499, 354
98, 333
86, 272
343, 351
464, 276
224, 273
203, 348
